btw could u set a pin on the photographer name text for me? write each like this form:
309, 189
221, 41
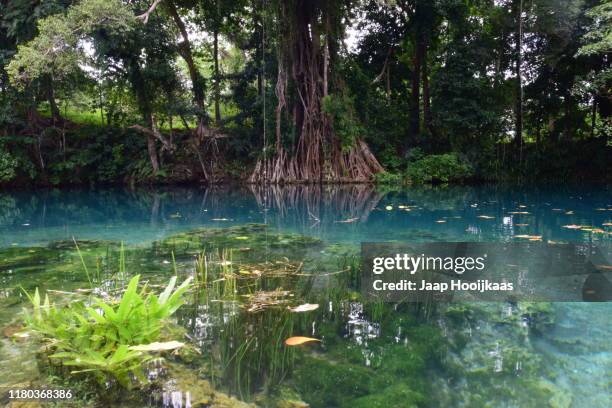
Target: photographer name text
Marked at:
481, 285
413, 264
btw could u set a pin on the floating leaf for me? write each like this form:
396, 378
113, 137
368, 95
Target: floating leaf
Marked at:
306, 307
529, 237
299, 340
569, 213
441, 221
519, 212
168, 345
572, 226
607, 224
242, 238
486, 217
348, 220
219, 219
389, 207
521, 225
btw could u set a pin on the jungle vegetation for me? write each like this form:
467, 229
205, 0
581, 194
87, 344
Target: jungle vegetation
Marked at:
284, 91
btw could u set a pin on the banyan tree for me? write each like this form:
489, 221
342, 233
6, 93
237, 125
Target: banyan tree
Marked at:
309, 38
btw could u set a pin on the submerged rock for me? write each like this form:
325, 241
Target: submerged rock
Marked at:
185, 384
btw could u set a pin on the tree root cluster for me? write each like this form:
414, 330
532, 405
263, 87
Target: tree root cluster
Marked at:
355, 165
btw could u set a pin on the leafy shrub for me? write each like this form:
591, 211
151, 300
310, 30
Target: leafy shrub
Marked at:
442, 168
8, 164
341, 109
389, 178
390, 159
101, 340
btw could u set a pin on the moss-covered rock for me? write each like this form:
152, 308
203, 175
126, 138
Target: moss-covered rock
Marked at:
395, 396
324, 383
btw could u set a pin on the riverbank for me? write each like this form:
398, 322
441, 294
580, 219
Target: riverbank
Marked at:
89, 154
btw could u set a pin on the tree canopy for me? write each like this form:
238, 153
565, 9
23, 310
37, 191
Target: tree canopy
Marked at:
285, 91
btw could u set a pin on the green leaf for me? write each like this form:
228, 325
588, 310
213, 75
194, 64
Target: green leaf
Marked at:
166, 293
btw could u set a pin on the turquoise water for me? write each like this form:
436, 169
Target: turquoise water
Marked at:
482, 354
140, 216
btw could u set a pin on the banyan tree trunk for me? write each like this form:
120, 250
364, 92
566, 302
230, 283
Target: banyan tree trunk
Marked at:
305, 63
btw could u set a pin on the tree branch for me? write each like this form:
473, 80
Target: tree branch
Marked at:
156, 134
145, 16
384, 68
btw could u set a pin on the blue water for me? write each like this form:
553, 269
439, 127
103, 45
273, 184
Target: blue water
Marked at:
577, 349
342, 214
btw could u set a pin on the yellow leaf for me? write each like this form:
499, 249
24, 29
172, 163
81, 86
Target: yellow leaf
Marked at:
486, 217
389, 207
298, 340
530, 237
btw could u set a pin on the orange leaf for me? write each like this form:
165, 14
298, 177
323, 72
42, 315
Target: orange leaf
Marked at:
298, 340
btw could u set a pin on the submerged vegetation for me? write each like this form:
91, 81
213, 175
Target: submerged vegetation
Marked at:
104, 339
274, 319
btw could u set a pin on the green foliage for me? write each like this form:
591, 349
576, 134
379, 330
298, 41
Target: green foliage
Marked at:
340, 108
598, 39
389, 178
8, 164
56, 50
439, 168
96, 339
133, 72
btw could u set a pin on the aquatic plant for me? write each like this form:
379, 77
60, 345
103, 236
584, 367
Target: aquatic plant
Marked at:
98, 337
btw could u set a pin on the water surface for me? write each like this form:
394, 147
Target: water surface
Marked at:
500, 354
